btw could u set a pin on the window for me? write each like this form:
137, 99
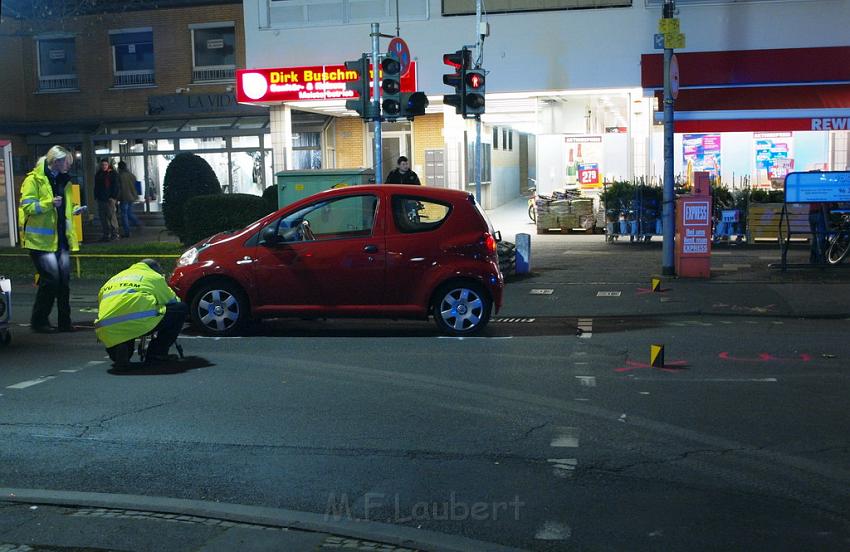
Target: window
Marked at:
504, 138
306, 150
213, 52
132, 57
416, 214
467, 7
346, 217
511, 140
311, 13
496, 138
470, 163
57, 64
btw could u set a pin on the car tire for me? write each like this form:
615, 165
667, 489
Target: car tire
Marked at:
220, 309
461, 308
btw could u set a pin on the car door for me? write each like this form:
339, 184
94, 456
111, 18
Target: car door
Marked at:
332, 257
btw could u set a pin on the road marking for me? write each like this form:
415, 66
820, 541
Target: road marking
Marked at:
69, 371
512, 320
541, 291
30, 383
95, 362
587, 381
563, 467
567, 437
585, 327
461, 338
701, 380
553, 530
644, 392
608, 293
581, 399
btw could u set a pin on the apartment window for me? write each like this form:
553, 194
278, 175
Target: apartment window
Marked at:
511, 140
57, 64
213, 52
310, 13
496, 138
467, 7
132, 57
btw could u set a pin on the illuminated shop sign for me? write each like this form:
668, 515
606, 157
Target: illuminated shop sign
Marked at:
291, 84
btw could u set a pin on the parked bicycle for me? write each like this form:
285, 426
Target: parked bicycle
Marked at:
839, 244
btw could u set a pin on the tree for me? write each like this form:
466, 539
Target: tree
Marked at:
187, 176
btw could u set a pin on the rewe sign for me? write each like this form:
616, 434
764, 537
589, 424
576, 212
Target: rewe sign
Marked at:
831, 123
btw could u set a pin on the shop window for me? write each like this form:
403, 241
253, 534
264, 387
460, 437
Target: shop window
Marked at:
213, 52
307, 150
132, 57
57, 64
485, 163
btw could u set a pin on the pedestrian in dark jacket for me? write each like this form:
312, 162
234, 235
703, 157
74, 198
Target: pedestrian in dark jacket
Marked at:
127, 197
402, 174
106, 191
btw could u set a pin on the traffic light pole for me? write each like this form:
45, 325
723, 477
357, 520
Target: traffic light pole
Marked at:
480, 52
668, 262
376, 100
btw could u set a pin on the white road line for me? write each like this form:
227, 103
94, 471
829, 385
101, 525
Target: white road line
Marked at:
587, 381
582, 363
553, 530
702, 380
95, 362
30, 383
471, 337
69, 371
581, 399
563, 467
567, 437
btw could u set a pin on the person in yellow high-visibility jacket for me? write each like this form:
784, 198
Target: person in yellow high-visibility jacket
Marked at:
45, 216
133, 303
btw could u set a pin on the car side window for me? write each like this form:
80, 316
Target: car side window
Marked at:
338, 218
418, 214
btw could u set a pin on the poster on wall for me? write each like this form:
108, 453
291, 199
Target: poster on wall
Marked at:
774, 159
702, 153
584, 156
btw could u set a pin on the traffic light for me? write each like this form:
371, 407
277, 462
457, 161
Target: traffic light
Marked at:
413, 104
361, 87
391, 87
460, 60
473, 103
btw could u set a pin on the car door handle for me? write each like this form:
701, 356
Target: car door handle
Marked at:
371, 249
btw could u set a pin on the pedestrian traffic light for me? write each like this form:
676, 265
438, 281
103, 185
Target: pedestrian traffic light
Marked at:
391, 87
460, 61
360, 87
473, 103
413, 104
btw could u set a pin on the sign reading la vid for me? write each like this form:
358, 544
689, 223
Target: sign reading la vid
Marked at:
288, 84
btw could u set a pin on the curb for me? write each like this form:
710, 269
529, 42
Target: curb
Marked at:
257, 515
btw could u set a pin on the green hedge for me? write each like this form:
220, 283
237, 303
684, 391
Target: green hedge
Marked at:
211, 214
187, 176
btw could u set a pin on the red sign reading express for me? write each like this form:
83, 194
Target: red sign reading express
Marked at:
290, 84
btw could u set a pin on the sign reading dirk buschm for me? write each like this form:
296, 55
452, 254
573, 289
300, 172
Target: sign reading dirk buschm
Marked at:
289, 84
192, 104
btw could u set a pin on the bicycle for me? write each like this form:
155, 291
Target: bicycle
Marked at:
839, 244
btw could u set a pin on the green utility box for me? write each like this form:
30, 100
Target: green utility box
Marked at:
295, 185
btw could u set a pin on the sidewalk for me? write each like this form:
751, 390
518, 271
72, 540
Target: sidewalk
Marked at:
578, 267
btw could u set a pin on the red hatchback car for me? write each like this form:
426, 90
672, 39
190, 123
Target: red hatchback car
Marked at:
360, 251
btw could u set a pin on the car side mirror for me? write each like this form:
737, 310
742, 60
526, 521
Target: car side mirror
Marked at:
269, 236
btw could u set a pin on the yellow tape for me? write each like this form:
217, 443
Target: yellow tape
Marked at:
656, 356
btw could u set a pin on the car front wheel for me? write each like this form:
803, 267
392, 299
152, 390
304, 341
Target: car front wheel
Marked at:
461, 308
220, 309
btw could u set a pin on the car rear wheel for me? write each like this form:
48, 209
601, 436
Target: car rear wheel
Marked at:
220, 309
461, 308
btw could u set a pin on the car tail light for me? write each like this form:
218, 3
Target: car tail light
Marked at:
490, 243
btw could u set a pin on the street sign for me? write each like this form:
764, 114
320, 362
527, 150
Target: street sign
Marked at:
675, 41
658, 41
402, 52
668, 25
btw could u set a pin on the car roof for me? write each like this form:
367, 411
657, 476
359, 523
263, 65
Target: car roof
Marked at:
426, 191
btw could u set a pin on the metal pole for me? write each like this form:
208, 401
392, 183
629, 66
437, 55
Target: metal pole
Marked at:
376, 100
480, 52
668, 263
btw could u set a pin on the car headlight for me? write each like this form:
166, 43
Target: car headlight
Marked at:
189, 257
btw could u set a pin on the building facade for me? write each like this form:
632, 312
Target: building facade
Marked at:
571, 93
138, 86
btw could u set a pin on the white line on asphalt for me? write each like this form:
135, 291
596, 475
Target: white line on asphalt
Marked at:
541, 291
581, 399
563, 467
463, 337
95, 362
214, 338
553, 530
566, 437
608, 293
700, 380
582, 363
30, 383
587, 381
644, 392
69, 371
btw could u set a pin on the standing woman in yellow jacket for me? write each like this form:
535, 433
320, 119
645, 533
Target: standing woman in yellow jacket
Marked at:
47, 230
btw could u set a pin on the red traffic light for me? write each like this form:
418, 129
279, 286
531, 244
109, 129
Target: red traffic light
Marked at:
474, 80
458, 60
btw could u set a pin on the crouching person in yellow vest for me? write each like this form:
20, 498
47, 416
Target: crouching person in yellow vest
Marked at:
134, 303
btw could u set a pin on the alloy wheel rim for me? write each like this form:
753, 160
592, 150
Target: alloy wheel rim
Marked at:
218, 310
462, 309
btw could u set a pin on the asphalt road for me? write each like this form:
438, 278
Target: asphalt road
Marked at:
530, 436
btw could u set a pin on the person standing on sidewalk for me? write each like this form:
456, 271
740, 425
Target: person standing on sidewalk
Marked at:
402, 174
48, 232
127, 196
106, 190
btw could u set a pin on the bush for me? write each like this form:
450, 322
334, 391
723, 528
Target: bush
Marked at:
187, 176
211, 214
270, 197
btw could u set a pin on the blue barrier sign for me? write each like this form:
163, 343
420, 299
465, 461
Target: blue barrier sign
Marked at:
817, 187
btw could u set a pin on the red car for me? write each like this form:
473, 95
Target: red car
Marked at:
360, 251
